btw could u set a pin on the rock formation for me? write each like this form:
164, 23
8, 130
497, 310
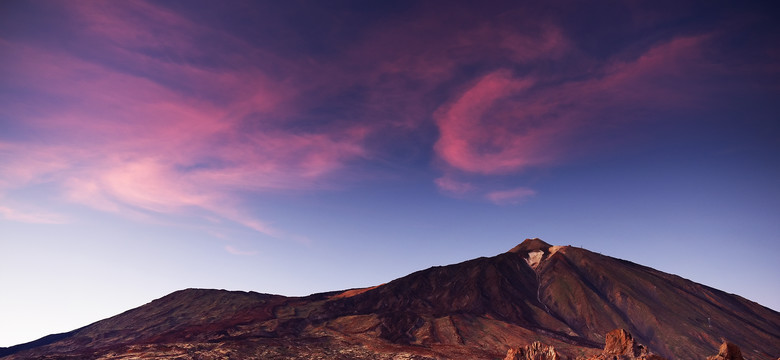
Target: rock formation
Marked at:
620, 342
727, 351
535, 351
622, 346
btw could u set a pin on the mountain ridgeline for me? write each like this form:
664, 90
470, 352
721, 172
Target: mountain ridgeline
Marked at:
535, 295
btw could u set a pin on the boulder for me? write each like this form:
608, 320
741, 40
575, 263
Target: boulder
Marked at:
727, 351
620, 342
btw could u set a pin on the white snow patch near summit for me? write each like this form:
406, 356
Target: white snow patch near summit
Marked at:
534, 258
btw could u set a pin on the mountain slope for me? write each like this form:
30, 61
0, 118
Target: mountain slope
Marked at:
562, 296
675, 317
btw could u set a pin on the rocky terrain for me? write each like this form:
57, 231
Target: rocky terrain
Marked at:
620, 346
551, 301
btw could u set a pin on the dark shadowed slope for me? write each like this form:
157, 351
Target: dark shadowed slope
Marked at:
675, 317
562, 296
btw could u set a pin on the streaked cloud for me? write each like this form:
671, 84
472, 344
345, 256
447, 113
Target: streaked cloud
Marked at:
124, 131
148, 109
32, 216
453, 187
235, 251
511, 196
507, 123
473, 140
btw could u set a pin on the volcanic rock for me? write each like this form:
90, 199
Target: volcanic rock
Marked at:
620, 342
621, 345
535, 351
727, 351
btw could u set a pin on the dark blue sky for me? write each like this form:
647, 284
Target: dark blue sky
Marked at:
299, 147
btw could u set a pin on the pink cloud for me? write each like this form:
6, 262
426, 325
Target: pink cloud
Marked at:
139, 124
401, 62
122, 142
479, 133
129, 151
507, 123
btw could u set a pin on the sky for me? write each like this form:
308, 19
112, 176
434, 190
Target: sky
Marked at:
296, 147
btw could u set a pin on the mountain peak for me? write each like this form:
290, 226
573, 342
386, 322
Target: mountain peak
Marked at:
565, 298
529, 245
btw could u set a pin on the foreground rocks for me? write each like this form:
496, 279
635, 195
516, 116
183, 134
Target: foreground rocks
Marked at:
727, 351
620, 345
535, 351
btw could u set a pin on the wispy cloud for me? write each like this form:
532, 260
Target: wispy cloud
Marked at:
507, 123
512, 196
124, 131
144, 109
33, 217
504, 140
234, 251
453, 187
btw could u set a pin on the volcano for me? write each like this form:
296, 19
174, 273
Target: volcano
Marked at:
562, 296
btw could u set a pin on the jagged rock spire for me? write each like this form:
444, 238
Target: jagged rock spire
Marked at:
727, 351
535, 351
621, 345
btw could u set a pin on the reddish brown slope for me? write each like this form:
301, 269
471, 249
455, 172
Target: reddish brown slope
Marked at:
675, 317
